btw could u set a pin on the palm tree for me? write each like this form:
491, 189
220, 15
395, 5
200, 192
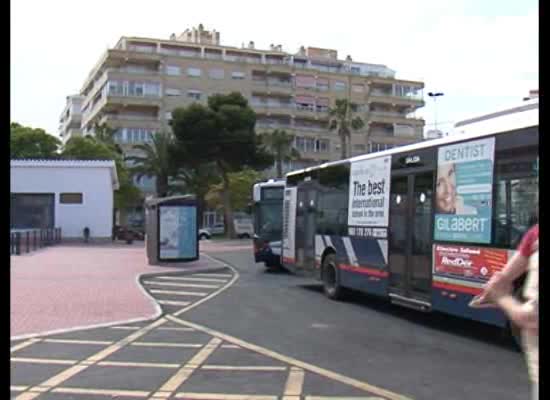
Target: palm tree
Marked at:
105, 134
343, 121
155, 161
280, 144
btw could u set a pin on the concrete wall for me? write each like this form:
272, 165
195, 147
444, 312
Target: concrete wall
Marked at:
96, 210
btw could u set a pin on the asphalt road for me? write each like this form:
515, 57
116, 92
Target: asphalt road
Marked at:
422, 356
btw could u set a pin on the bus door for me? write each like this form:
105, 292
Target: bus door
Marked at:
410, 234
306, 225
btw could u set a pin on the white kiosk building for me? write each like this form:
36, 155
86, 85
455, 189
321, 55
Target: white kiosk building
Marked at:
66, 194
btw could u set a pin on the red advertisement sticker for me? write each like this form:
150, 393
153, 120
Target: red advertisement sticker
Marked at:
468, 262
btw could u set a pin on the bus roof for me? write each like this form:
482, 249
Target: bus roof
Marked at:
492, 126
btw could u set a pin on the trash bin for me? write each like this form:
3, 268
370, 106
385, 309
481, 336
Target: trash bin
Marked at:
171, 229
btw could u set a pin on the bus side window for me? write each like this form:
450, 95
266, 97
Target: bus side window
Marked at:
516, 182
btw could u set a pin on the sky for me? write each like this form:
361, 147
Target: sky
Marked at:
483, 55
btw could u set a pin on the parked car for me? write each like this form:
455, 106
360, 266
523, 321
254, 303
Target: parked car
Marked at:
204, 233
128, 234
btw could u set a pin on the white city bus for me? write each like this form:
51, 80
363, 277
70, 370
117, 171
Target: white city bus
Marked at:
268, 224
424, 225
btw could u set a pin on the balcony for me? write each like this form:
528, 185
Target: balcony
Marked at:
393, 117
275, 87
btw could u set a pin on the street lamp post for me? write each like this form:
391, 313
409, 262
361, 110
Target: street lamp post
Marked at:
435, 95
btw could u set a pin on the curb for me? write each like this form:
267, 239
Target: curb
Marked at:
158, 310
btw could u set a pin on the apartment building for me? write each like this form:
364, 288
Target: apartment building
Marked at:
135, 86
71, 118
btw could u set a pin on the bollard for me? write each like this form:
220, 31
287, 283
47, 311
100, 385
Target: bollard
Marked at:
28, 241
18, 243
34, 240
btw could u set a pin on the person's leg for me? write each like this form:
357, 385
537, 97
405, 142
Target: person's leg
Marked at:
531, 349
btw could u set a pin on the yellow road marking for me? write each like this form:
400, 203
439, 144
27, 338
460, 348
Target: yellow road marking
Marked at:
106, 392
294, 362
24, 344
192, 285
43, 361
215, 275
136, 364
75, 369
126, 328
170, 328
221, 396
295, 382
159, 344
174, 303
178, 293
15, 388
71, 341
177, 278
185, 372
242, 368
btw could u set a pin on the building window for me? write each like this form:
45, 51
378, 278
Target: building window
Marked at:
168, 115
173, 70
358, 88
339, 85
216, 73
70, 198
152, 89
194, 94
194, 72
237, 75
322, 84
323, 145
173, 92
305, 81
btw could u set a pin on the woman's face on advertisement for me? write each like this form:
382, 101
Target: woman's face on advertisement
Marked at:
446, 188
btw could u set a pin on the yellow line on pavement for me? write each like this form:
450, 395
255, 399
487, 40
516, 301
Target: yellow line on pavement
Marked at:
191, 285
170, 328
185, 372
126, 328
24, 344
43, 361
177, 278
16, 388
71, 341
295, 382
75, 369
178, 293
221, 396
136, 364
242, 368
105, 392
294, 362
160, 344
215, 275
174, 303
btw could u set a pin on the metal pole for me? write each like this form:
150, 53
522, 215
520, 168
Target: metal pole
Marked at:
18, 243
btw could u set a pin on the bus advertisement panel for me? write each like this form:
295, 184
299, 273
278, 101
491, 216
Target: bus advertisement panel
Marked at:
471, 263
464, 192
369, 196
289, 225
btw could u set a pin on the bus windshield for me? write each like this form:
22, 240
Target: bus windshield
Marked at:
270, 224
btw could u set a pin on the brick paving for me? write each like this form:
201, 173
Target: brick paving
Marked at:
70, 286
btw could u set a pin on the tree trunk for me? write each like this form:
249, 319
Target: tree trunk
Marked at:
227, 209
344, 145
279, 165
162, 186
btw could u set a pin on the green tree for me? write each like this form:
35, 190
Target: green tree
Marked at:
155, 161
221, 132
279, 143
198, 179
240, 187
26, 142
343, 120
88, 148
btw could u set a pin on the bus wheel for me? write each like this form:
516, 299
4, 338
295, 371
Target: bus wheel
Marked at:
331, 278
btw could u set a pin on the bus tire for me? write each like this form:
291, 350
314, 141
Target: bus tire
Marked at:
331, 278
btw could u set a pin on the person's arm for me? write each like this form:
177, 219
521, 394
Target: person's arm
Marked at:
515, 267
523, 315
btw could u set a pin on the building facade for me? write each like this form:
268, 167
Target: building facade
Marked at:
136, 85
68, 194
70, 120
